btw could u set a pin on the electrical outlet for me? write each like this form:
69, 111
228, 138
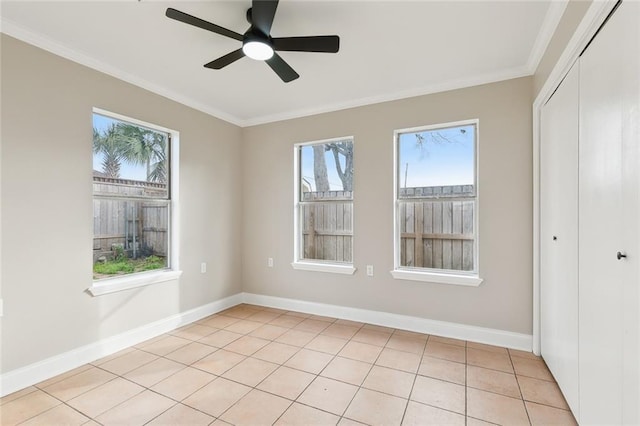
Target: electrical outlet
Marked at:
370, 270
203, 267
270, 262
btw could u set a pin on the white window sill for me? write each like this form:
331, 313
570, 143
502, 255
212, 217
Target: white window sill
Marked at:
324, 267
434, 277
112, 285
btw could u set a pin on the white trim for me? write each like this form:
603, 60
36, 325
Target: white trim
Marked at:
111, 285
17, 31
593, 19
131, 120
591, 22
323, 141
174, 180
298, 261
404, 322
21, 378
438, 278
509, 74
547, 29
437, 275
128, 282
334, 268
29, 375
296, 203
21, 33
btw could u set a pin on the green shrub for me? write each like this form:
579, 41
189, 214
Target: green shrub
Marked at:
123, 266
119, 254
151, 262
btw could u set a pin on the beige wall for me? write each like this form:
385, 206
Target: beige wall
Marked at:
236, 192
571, 18
47, 209
503, 301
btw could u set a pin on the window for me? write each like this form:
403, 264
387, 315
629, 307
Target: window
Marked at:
132, 203
324, 206
436, 204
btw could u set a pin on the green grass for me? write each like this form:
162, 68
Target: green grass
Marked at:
122, 266
151, 262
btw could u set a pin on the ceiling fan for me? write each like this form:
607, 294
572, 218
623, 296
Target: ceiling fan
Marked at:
257, 42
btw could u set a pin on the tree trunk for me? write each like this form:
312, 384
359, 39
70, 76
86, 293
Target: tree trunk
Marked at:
320, 169
345, 149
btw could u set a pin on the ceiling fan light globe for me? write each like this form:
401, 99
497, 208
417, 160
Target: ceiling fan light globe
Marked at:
257, 50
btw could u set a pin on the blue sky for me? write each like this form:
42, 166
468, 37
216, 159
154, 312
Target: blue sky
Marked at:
446, 157
306, 160
127, 171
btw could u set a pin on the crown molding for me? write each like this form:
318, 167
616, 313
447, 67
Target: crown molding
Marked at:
548, 28
446, 86
556, 9
19, 32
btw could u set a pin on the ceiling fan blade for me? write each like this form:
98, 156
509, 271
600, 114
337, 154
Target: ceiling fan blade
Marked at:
328, 44
262, 14
225, 60
284, 71
200, 23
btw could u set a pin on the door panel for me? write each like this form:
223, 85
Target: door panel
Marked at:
630, 215
559, 220
600, 226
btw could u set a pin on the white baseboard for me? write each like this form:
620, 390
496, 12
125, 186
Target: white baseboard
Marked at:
471, 333
21, 378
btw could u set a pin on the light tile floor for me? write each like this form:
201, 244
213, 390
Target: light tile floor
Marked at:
251, 365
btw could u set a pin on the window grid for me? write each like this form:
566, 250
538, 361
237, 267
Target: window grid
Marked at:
324, 218
132, 212
436, 225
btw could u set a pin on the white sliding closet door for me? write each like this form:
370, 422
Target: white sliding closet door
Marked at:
559, 236
630, 215
608, 222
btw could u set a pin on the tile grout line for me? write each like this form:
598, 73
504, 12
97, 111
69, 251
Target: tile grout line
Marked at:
256, 386
65, 402
526, 410
415, 377
260, 390
262, 323
466, 386
363, 380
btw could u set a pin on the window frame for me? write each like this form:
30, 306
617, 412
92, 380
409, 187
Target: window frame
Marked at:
172, 271
316, 265
435, 275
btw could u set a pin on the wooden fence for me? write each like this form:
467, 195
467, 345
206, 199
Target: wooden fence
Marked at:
138, 226
327, 232
327, 229
435, 232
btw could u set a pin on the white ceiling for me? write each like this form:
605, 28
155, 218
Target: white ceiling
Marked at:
388, 50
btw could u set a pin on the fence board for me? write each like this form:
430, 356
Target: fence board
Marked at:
438, 234
418, 249
437, 229
447, 211
140, 227
456, 228
427, 229
434, 233
467, 227
326, 226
